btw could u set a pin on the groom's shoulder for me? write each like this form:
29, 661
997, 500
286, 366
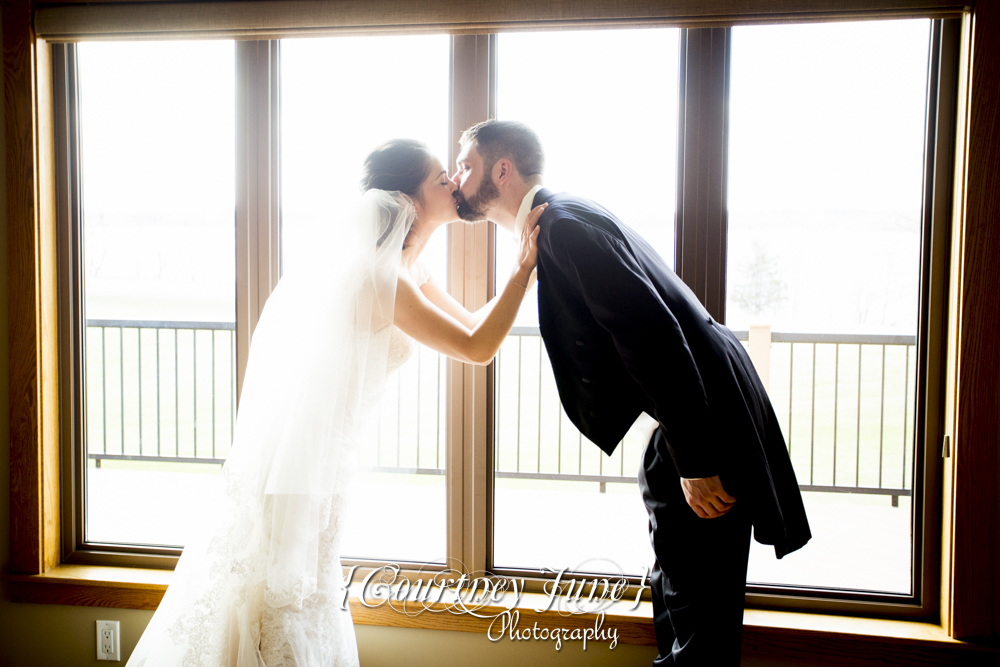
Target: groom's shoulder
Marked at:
566, 202
569, 213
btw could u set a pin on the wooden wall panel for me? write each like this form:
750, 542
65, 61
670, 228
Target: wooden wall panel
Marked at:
976, 435
25, 432
48, 308
32, 280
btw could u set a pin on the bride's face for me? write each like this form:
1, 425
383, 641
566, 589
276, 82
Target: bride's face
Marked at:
436, 205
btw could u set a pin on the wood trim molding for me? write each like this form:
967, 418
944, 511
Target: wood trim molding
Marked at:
48, 271
970, 585
798, 635
977, 389
33, 307
932, 354
91, 586
270, 19
25, 464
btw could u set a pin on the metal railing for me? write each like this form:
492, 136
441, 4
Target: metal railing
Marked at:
873, 381
165, 392
844, 402
160, 390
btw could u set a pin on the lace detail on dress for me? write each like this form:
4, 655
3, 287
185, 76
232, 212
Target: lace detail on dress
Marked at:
242, 615
419, 273
401, 346
322, 630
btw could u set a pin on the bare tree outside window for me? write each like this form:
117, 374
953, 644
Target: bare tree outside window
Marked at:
760, 289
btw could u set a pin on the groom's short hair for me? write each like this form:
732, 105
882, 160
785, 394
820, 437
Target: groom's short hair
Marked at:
495, 139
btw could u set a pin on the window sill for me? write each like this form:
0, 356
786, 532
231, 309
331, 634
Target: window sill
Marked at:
789, 634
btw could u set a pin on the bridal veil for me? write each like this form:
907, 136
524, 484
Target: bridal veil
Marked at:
264, 570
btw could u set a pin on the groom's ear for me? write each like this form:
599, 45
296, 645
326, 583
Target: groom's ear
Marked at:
503, 170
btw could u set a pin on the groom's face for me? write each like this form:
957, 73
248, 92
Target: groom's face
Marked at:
476, 189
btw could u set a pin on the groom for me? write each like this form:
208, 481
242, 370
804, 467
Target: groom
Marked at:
624, 336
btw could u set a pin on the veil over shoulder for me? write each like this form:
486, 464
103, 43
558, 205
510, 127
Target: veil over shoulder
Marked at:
261, 584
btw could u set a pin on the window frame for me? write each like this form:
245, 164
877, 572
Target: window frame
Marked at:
931, 343
970, 413
700, 242
701, 261
700, 258
256, 234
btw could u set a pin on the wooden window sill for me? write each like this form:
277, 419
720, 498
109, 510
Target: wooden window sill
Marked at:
790, 634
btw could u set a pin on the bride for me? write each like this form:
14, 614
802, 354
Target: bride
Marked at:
260, 584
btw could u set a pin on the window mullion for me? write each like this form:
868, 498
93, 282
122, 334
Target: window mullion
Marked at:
257, 188
71, 324
470, 271
702, 146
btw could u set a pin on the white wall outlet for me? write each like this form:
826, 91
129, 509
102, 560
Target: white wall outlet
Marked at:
108, 645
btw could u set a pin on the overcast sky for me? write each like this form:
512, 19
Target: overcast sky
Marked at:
825, 119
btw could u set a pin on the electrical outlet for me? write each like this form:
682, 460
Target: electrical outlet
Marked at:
108, 645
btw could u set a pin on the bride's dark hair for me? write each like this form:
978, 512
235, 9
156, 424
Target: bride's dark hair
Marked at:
399, 164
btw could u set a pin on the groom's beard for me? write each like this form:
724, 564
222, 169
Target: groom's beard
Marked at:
473, 209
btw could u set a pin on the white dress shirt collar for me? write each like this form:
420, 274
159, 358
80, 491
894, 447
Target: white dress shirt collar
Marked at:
522, 213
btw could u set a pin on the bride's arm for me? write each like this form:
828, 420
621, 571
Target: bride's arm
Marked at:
436, 328
446, 302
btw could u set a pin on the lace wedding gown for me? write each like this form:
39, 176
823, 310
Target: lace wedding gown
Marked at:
261, 585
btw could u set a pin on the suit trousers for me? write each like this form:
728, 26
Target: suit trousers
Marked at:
699, 576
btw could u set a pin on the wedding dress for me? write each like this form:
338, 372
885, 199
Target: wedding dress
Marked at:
261, 585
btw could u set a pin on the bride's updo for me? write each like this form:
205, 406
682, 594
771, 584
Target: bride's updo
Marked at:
399, 164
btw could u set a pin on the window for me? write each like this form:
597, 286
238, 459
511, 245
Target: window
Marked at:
604, 104
628, 155
333, 115
827, 233
156, 145
826, 160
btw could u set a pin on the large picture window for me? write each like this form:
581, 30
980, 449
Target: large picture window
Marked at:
825, 267
334, 112
604, 104
157, 169
826, 160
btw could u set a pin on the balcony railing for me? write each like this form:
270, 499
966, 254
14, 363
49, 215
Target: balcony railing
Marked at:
160, 391
165, 392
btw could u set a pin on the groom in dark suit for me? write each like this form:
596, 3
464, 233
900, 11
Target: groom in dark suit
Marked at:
625, 336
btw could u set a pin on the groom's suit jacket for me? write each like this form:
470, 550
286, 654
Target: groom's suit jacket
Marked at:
626, 335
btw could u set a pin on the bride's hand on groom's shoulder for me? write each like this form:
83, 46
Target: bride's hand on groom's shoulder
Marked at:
527, 256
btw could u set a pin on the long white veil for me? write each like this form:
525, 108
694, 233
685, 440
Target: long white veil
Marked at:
269, 552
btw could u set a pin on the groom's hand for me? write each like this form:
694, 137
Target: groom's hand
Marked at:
706, 496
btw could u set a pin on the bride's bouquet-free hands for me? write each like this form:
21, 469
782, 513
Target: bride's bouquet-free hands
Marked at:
527, 255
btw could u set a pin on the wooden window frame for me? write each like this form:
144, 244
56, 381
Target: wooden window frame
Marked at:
700, 260
257, 235
969, 508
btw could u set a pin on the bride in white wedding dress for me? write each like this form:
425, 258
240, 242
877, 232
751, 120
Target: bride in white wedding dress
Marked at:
261, 584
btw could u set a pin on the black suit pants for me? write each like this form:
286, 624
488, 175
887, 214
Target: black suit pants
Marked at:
699, 577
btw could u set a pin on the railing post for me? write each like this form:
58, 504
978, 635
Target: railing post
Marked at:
760, 352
